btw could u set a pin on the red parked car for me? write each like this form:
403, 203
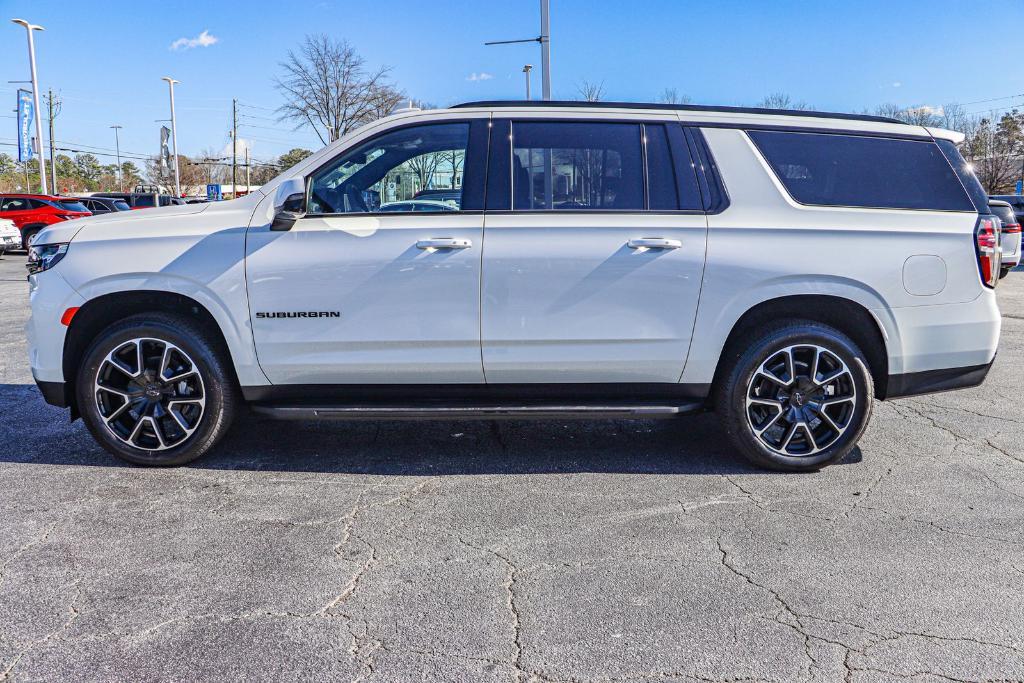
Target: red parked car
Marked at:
33, 212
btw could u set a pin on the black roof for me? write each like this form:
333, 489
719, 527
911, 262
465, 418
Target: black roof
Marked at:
496, 104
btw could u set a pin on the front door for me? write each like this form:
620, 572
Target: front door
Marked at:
380, 282
592, 272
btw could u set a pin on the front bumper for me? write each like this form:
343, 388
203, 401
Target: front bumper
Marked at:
54, 393
49, 295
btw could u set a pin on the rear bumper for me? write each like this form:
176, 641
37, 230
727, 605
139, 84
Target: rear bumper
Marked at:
932, 381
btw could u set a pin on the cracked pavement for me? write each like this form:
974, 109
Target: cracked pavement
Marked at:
515, 551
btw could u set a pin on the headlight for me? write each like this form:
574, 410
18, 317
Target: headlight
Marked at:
44, 256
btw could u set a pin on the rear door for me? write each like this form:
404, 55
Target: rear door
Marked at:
593, 252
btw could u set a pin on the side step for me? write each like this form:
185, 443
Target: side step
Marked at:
473, 412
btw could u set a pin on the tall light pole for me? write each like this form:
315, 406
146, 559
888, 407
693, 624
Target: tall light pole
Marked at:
117, 150
35, 98
545, 47
174, 137
526, 70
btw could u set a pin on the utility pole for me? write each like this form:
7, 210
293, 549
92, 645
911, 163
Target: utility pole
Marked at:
117, 149
247, 183
234, 149
53, 155
526, 70
174, 137
545, 48
35, 98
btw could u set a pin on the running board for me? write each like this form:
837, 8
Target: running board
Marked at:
474, 412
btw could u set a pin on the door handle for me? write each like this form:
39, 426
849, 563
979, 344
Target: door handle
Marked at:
444, 243
654, 243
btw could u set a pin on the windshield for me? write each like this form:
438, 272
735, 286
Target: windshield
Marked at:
120, 205
73, 205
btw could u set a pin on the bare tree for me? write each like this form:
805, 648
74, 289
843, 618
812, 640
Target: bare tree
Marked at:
590, 92
328, 88
424, 166
672, 96
781, 100
994, 150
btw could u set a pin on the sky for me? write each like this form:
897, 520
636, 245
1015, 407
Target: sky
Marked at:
105, 59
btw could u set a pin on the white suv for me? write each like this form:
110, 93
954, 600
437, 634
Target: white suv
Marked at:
605, 260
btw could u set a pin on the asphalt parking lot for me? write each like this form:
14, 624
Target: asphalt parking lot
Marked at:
549, 551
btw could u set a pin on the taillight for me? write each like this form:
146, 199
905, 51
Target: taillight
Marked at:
986, 244
1011, 228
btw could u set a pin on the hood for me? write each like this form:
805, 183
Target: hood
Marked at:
160, 219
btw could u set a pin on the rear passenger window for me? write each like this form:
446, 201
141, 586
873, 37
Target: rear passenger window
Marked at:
855, 170
574, 166
661, 179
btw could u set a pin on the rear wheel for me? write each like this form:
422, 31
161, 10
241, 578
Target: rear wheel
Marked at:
1004, 271
798, 398
28, 233
154, 390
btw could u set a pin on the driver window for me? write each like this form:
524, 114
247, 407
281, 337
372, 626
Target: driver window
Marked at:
416, 169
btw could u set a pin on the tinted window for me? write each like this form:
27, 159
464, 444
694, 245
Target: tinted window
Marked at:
144, 200
392, 168
854, 170
15, 204
662, 194
121, 206
577, 166
72, 205
39, 204
1005, 213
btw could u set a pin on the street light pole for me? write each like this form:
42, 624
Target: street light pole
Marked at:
35, 98
545, 47
526, 70
174, 136
117, 149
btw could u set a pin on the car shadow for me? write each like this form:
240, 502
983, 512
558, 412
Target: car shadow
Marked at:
33, 432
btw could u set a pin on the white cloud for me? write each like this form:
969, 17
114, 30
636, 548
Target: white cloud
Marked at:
926, 109
897, 84
243, 145
482, 76
204, 39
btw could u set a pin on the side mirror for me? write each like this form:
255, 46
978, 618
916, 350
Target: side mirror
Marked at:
289, 204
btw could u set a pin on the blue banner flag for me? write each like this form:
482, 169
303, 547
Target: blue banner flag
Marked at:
26, 115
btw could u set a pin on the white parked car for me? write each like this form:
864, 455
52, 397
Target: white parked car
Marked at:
10, 236
607, 260
1009, 235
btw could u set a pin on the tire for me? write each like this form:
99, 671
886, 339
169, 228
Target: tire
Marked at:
139, 417
1004, 271
794, 436
28, 233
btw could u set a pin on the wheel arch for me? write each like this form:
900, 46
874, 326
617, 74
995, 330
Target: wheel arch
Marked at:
102, 311
846, 315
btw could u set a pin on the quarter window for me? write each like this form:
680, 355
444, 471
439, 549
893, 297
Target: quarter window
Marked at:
384, 175
568, 165
862, 171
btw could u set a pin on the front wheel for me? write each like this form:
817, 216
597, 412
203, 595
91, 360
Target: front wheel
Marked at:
798, 398
154, 390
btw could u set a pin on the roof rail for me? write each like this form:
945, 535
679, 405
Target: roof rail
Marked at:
501, 104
